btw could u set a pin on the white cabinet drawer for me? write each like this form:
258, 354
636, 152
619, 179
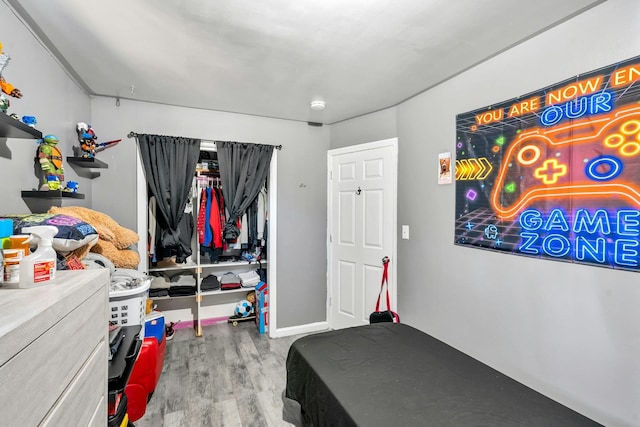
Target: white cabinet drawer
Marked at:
78, 403
32, 381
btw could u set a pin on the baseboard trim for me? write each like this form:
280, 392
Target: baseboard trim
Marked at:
301, 329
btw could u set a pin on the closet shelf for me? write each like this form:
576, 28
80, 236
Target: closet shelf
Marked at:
186, 266
170, 297
12, 128
232, 264
193, 266
231, 291
209, 171
205, 293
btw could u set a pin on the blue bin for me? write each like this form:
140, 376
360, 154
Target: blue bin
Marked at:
154, 326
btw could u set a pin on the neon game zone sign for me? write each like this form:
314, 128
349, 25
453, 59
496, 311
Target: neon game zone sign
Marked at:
556, 173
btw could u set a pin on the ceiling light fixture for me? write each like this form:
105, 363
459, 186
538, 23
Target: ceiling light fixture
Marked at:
317, 105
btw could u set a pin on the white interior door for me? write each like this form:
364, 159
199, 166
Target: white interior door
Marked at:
362, 229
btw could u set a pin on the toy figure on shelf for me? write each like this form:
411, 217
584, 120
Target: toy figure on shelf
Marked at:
29, 121
7, 87
4, 103
87, 138
53, 183
72, 187
50, 160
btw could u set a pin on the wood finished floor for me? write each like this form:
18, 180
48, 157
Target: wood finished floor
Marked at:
231, 376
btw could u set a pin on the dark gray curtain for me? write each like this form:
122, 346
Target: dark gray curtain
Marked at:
243, 171
169, 165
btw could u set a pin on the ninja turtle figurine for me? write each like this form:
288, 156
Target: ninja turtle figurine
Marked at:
50, 160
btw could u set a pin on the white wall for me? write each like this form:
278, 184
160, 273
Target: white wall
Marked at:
301, 186
569, 331
49, 95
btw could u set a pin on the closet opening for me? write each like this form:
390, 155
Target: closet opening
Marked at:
199, 298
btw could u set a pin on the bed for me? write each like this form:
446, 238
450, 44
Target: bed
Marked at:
388, 374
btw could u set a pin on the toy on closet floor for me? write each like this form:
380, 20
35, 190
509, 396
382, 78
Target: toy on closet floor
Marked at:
87, 139
7, 87
50, 160
244, 310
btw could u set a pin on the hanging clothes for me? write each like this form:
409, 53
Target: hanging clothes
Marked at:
261, 220
243, 239
208, 236
215, 221
221, 209
201, 216
152, 224
252, 215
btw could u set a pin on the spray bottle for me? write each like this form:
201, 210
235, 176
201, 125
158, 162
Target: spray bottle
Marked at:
39, 268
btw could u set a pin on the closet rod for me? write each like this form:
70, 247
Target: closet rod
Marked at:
277, 147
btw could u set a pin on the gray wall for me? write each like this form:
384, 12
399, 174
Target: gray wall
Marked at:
569, 331
302, 182
371, 127
50, 95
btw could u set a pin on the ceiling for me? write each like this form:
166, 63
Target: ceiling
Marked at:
273, 57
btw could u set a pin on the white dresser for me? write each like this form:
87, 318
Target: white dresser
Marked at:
53, 352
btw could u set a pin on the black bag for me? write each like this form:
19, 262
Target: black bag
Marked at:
385, 315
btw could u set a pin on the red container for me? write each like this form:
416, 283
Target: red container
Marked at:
145, 376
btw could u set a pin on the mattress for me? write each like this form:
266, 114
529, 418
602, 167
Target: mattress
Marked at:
389, 374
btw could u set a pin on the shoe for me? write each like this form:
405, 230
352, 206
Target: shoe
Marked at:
248, 256
169, 331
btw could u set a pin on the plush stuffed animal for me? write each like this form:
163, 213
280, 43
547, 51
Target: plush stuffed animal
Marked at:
114, 240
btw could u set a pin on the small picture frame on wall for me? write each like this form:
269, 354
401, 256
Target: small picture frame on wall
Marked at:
444, 168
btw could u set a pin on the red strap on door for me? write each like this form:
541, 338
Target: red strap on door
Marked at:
385, 279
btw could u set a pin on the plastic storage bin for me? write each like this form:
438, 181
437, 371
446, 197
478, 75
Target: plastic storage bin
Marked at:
145, 376
127, 307
154, 326
119, 372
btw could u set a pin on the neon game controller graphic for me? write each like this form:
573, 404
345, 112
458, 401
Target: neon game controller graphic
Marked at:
583, 159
